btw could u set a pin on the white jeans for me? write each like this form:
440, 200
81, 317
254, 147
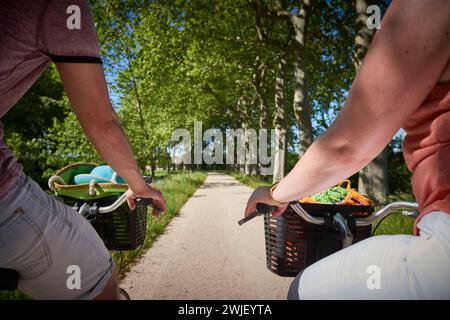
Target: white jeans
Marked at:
386, 267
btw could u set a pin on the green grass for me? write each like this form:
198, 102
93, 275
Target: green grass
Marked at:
252, 182
177, 188
394, 224
13, 295
397, 223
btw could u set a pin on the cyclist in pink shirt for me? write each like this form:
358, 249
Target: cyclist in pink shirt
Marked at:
39, 236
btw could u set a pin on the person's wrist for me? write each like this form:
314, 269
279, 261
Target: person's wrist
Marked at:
274, 197
138, 186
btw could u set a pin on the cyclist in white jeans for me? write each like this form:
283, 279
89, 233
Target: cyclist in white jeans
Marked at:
404, 82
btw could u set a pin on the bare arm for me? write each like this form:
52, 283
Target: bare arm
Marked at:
86, 87
406, 59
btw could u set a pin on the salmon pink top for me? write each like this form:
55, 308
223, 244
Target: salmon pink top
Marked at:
426, 150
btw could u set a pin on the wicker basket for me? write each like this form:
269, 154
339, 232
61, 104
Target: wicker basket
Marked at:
120, 229
292, 244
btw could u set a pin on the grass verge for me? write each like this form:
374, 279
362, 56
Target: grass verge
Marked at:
252, 182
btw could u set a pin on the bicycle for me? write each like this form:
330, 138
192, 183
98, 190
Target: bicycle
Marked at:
118, 227
308, 232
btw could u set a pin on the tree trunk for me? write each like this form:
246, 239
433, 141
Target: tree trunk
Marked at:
364, 35
259, 84
153, 167
301, 107
373, 179
262, 96
301, 104
279, 119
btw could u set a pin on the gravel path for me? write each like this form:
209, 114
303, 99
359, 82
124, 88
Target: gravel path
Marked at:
205, 254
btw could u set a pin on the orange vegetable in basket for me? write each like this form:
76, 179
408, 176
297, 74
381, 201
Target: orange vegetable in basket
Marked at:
308, 200
353, 197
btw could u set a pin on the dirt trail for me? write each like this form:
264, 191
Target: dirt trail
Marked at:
205, 254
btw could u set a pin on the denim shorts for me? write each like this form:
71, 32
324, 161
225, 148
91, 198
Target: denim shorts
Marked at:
57, 252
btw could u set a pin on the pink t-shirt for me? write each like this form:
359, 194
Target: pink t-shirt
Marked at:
33, 33
427, 152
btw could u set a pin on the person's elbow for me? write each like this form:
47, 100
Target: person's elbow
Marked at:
352, 156
102, 122
349, 153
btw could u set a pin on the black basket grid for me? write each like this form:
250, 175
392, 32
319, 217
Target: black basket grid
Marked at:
121, 229
292, 244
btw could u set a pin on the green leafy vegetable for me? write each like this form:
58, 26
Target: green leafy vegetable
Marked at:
332, 196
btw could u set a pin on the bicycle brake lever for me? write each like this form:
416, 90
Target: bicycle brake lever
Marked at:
261, 208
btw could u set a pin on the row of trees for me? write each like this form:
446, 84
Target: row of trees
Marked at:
279, 64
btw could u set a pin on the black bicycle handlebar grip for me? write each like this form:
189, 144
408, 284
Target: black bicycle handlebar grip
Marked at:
261, 208
265, 208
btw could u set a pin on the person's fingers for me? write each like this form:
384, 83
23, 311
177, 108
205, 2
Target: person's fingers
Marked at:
160, 202
163, 205
278, 211
131, 203
156, 212
130, 199
251, 207
160, 206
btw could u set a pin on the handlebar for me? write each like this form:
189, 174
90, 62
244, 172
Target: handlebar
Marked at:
121, 200
261, 208
86, 209
408, 209
380, 214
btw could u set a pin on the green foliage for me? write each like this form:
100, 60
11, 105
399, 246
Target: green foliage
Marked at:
176, 62
251, 181
65, 143
397, 223
13, 295
399, 174
34, 113
29, 122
